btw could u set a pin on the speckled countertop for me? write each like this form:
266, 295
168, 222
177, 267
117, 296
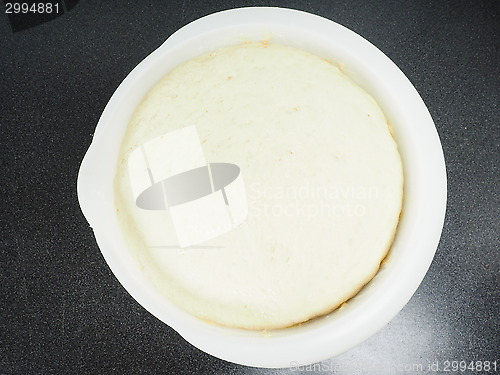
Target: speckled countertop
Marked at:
63, 312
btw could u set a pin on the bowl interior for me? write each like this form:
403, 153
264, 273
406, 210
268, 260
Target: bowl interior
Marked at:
423, 207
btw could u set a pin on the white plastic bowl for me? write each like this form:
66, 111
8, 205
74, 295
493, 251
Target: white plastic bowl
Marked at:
424, 203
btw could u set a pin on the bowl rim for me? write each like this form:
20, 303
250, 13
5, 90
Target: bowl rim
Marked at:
282, 348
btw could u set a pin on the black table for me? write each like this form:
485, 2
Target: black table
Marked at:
63, 312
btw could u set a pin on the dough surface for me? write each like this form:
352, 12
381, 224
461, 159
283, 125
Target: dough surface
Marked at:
323, 180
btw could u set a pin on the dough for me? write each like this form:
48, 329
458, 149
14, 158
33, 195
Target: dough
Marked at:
323, 182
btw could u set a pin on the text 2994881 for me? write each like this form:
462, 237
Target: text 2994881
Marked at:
31, 7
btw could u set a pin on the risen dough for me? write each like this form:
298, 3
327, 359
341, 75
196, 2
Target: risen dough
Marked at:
323, 178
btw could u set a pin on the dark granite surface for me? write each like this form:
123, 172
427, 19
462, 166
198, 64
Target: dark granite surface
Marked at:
63, 312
